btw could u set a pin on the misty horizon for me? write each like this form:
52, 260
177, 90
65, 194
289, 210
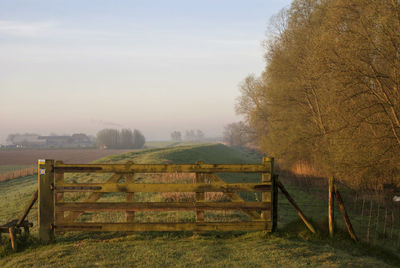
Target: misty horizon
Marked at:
167, 138
158, 67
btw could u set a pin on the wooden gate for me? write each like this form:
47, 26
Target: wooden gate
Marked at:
54, 216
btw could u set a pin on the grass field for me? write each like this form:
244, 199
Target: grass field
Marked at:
30, 156
291, 246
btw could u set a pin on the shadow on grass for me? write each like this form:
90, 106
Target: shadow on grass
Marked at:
340, 241
100, 236
294, 231
23, 242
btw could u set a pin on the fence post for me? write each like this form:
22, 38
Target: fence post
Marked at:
12, 233
269, 196
344, 213
46, 200
331, 211
274, 203
299, 212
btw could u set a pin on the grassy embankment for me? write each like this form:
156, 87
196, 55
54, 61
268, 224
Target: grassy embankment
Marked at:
292, 245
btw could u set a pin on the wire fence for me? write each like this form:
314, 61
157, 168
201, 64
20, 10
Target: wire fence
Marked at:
374, 215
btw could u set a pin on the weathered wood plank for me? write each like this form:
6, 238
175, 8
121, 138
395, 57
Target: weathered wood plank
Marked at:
200, 196
344, 213
130, 197
93, 197
147, 227
201, 186
28, 208
162, 168
233, 196
299, 212
162, 187
13, 238
46, 200
274, 203
161, 206
267, 177
59, 197
4, 229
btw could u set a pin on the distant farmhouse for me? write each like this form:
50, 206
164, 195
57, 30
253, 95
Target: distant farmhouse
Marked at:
78, 140
26, 140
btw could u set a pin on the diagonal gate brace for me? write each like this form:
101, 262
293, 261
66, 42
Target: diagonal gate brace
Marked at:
299, 212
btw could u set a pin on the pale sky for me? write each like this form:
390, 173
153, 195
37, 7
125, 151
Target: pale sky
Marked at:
70, 66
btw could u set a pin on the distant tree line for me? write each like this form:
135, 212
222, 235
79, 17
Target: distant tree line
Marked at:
329, 94
120, 139
190, 135
176, 136
22, 139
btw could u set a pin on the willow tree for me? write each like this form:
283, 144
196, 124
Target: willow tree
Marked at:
329, 94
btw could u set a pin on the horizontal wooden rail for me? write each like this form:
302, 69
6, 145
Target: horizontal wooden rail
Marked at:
148, 227
161, 168
162, 206
162, 187
57, 215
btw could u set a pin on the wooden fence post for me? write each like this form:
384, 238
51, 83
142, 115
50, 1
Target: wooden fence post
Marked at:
13, 239
274, 204
344, 213
269, 196
299, 212
28, 208
331, 212
46, 200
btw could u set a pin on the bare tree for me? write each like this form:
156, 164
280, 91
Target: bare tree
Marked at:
176, 136
236, 134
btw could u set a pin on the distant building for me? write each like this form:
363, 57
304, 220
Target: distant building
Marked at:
27, 140
76, 140
80, 138
56, 141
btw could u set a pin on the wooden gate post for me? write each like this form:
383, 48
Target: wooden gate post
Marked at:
274, 203
269, 196
46, 200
